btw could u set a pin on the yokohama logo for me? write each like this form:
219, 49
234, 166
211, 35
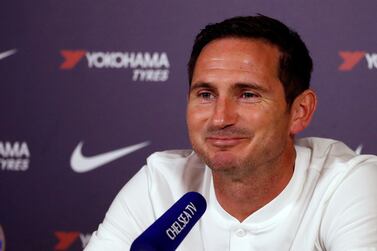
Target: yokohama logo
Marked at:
146, 66
67, 239
115, 59
353, 58
14, 156
71, 58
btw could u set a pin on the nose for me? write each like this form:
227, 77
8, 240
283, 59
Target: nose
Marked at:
224, 113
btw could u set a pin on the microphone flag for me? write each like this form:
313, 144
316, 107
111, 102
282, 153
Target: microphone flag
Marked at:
168, 231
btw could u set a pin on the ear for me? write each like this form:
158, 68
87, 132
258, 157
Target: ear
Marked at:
302, 111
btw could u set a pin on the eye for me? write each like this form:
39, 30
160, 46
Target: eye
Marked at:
206, 95
248, 95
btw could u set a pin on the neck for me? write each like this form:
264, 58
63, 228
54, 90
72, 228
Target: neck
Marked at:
242, 195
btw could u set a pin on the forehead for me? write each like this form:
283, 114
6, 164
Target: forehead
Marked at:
239, 54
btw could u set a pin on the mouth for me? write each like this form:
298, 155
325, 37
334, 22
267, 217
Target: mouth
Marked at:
225, 142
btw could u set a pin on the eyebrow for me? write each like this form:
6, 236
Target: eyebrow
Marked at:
252, 86
198, 85
239, 85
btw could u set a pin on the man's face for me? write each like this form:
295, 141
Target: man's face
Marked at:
237, 115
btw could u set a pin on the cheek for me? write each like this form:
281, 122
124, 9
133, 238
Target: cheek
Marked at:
280, 125
255, 118
197, 117
194, 122
266, 121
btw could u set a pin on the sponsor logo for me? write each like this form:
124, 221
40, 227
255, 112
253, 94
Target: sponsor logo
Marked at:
6, 54
2, 239
71, 58
14, 156
81, 163
67, 239
359, 149
145, 66
353, 58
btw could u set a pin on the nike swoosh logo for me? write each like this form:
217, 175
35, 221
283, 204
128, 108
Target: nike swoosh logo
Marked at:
7, 53
82, 164
359, 149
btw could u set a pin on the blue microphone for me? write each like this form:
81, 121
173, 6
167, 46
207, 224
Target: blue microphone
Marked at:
168, 231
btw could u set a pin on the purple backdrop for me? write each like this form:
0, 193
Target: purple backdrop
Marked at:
112, 74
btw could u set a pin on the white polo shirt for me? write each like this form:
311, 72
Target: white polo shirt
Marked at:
330, 203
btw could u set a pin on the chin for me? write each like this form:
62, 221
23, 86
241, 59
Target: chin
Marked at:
218, 159
223, 161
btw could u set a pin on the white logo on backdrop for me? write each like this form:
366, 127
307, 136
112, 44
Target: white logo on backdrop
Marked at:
14, 156
146, 66
7, 53
359, 149
81, 163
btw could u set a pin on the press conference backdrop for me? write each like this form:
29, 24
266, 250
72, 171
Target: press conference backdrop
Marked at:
81, 79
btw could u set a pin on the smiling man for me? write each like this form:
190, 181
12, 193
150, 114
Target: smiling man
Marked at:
240, 123
249, 96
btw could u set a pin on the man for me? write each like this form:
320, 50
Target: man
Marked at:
249, 96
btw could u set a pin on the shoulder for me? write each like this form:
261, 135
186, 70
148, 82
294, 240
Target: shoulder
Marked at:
166, 177
178, 171
167, 169
170, 158
348, 193
350, 219
174, 162
153, 189
336, 166
332, 155
322, 147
